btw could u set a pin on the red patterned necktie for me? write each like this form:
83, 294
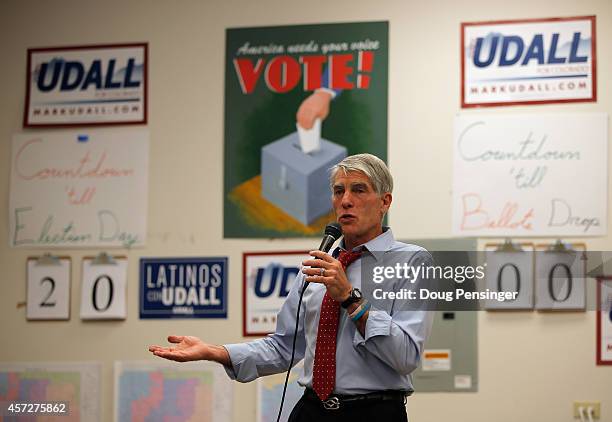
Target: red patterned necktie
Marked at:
324, 371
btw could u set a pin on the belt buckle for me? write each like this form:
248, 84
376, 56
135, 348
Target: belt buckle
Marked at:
332, 403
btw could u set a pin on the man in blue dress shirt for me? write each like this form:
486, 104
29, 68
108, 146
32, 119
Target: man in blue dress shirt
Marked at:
357, 358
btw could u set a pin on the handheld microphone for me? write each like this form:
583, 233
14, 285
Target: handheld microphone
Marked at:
333, 231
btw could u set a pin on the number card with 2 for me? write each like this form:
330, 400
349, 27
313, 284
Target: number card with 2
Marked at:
48, 288
104, 289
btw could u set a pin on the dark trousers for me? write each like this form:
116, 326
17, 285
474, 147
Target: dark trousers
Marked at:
307, 410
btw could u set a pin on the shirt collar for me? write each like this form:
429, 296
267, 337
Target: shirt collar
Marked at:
377, 246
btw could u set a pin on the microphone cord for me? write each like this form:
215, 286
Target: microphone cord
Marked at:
333, 231
297, 322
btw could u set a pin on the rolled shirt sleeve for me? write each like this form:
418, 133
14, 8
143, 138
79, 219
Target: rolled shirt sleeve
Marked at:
397, 337
272, 354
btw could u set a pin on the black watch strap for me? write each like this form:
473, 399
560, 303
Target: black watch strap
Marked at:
354, 297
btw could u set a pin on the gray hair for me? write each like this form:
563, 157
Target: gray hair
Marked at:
373, 167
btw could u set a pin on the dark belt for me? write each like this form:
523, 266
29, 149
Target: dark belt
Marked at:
336, 401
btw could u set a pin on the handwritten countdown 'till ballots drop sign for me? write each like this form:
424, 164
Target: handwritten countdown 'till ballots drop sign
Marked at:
530, 175
79, 188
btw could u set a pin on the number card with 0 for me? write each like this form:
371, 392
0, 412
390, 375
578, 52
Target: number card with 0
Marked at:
104, 288
560, 277
510, 268
48, 288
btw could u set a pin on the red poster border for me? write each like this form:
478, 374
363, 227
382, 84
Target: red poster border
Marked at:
245, 255
144, 45
537, 102
600, 281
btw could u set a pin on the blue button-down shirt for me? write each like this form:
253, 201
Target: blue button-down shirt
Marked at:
381, 360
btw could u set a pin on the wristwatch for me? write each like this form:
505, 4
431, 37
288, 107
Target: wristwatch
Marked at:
354, 296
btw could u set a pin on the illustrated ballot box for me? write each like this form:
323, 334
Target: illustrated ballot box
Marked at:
296, 182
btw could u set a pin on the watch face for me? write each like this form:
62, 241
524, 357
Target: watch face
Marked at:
356, 293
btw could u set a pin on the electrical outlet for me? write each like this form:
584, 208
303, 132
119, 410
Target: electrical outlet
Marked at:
586, 404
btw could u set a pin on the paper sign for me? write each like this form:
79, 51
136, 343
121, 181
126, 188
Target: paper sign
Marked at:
86, 85
604, 321
79, 189
463, 382
436, 360
104, 289
530, 175
532, 61
268, 278
48, 290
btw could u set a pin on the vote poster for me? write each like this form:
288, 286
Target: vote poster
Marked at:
268, 278
533, 61
298, 99
86, 85
530, 175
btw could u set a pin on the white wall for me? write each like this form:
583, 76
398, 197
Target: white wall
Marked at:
532, 366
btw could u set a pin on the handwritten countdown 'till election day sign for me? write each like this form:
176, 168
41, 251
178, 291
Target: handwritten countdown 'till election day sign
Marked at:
530, 175
79, 189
